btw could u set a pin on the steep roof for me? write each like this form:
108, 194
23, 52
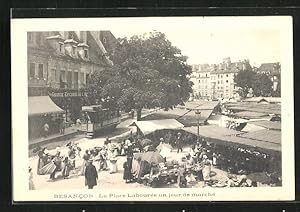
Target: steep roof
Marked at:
273, 68
234, 67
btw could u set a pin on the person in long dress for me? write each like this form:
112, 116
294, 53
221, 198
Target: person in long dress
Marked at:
102, 158
135, 169
113, 164
42, 160
57, 160
91, 175
127, 172
85, 158
67, 166
31, 184
206, 169
128, 164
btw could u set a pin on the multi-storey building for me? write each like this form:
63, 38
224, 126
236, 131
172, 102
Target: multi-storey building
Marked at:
59, 65
217, 81
201, 80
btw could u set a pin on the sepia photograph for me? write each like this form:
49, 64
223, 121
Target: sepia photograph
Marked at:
153, 109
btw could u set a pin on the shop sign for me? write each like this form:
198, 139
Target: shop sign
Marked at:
66, 93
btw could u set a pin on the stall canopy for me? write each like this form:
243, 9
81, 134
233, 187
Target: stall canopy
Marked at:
147, 127
264, 139
42, 105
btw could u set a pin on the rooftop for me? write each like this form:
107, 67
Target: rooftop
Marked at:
255, 107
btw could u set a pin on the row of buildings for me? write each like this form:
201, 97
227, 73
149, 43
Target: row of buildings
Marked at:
217, 80
59, 65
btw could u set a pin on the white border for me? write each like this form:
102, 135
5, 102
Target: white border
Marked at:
19, 27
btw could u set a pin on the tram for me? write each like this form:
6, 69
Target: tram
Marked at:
99, 119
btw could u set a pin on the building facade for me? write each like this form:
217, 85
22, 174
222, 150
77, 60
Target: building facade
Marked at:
63, 59
217, 80
201, 79
59, 65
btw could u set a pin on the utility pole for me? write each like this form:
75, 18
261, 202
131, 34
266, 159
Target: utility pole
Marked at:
198, 113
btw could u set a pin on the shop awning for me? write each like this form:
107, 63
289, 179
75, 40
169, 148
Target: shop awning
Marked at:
42, 105
147, 127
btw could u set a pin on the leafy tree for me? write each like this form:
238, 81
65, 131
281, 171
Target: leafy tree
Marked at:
262, 85
244, 80
148, 72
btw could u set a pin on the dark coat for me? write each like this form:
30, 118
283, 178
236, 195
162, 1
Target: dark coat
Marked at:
91, 175
127, 171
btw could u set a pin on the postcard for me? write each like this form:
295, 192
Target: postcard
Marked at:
153, 109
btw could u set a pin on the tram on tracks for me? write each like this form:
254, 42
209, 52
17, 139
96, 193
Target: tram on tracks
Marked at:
99, 119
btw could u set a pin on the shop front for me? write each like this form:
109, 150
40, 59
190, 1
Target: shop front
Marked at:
42, 110
71, 100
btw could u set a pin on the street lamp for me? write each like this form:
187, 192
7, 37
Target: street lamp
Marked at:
198, 113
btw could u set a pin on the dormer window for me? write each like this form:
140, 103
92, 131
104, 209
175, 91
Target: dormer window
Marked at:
73, 50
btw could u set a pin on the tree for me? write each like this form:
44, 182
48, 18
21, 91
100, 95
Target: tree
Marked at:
148, 72
244, 80
261, 84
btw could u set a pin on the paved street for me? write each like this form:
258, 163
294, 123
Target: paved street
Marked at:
105, 180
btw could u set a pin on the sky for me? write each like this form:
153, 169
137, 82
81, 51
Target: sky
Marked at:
210, 39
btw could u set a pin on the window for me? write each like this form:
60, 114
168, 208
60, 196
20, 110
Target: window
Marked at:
61, 47
226, 75
104, 40
30, 37
69, 79
221, 76
81, 79
41, 71
199, 81
226, 81
73, 50
62, 76
85, 53
205, 75
62, 79
57, 75
31, 70
75, 77
53, 75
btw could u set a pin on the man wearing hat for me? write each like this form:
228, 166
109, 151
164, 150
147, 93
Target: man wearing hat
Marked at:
179, 142
91, 175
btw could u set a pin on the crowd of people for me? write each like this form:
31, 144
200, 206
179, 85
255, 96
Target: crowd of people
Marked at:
195, 166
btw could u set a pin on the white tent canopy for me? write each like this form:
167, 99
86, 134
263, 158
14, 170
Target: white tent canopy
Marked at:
42, 105
147, 127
